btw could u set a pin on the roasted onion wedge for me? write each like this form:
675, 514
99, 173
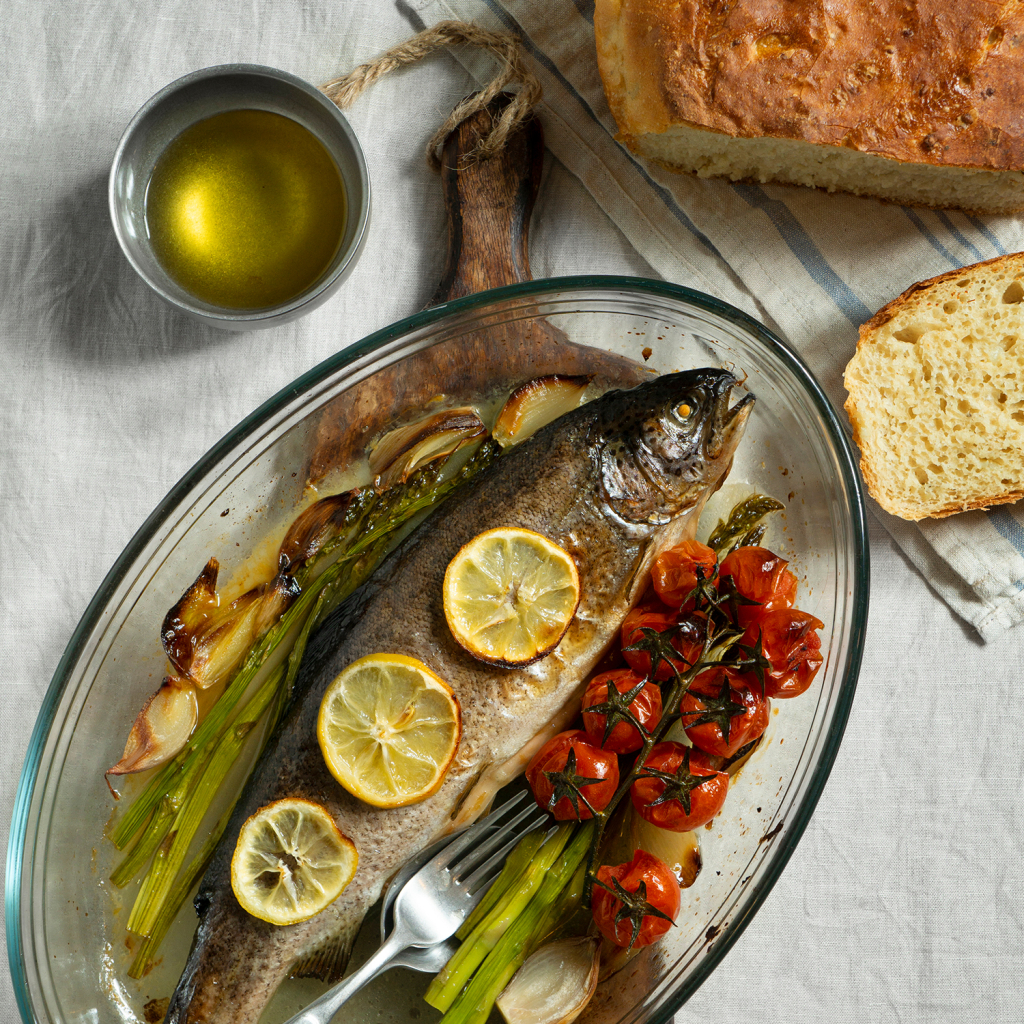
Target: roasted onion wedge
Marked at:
206, 643
315, 526
535, 404
402, 451
190, 616
554, 985
219, 650
161, 729
679, 850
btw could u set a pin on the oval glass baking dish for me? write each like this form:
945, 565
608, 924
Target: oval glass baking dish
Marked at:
65, 922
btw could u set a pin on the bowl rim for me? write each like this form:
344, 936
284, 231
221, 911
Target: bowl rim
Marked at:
849, 471
311, 297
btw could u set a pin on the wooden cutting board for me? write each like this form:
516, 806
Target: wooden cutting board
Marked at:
489, 204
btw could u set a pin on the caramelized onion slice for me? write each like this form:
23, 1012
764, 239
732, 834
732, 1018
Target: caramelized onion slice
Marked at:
219, 649
205, 642
275, 597
313, 528
401, 452
554, 985
161, 729
188, 618
537, 403
679, 850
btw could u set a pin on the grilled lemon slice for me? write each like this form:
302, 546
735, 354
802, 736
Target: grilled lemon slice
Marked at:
388, 729
290, 862
509, 596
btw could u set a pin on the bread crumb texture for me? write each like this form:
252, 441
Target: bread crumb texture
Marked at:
914, 101
936, 393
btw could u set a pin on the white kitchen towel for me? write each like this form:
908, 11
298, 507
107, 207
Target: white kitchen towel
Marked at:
810, 265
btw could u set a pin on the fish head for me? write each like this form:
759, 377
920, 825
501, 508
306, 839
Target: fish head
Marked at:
667, 444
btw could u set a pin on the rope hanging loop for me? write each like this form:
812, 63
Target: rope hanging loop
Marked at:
512, 70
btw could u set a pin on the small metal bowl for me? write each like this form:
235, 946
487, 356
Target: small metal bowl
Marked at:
196, 97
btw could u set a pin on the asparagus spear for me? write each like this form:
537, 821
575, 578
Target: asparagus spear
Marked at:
170, 856
745, 524
527, 931
444, 989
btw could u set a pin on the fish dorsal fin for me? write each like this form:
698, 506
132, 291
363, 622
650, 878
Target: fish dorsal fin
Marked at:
328, 960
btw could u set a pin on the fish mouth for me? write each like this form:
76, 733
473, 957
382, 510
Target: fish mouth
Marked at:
728, 424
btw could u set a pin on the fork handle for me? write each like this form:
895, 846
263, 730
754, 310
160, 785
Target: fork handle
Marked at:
321, 1010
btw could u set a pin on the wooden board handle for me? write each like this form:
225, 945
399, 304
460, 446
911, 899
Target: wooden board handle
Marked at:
489, 203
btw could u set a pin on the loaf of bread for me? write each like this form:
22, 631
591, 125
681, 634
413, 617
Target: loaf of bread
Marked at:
936, 393
919, 102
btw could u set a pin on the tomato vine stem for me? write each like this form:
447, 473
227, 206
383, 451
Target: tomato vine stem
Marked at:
715, 645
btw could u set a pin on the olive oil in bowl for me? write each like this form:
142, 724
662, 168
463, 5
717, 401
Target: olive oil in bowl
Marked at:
246, 209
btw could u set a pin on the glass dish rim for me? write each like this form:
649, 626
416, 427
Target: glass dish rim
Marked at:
849, 471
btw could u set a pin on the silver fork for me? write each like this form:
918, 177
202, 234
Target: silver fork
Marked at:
432, 904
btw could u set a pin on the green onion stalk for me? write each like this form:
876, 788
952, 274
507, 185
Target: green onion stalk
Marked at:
506, 883
493, 925
170, 856
551, 905
182, 887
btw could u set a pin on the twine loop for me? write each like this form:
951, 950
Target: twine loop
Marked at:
506, 48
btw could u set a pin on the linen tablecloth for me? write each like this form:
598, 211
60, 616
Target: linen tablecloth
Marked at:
902, 902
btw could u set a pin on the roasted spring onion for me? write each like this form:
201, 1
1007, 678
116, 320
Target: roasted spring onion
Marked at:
164, 818
489, 930
549, 906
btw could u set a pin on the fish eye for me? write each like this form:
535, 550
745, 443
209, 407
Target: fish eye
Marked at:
683, 411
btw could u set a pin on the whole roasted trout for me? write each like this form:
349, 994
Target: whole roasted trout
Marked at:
612, 482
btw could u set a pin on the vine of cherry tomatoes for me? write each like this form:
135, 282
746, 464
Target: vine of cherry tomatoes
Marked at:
723, 710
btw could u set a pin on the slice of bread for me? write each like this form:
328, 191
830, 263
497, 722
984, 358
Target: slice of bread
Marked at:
936, 393
912, 101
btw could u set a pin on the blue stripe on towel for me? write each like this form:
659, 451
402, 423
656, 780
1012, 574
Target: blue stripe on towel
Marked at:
935, 243
542, 58
958, 235
585, 7
802, 246
988, 233
1009, 529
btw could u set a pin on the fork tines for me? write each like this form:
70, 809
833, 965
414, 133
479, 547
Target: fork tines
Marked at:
484, 858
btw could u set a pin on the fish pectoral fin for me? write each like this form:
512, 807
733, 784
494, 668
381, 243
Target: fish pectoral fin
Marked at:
328, 961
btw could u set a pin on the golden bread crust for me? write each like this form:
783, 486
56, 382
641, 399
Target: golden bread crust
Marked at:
938, 82
919, 289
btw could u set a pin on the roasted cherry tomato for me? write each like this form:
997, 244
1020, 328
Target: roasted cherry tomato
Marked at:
570, 771
759, 575
692, 795
718, 717
624, 922
674, 573
645, 708
688, 642
790, 642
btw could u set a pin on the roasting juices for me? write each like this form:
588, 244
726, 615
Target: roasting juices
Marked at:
246, 209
